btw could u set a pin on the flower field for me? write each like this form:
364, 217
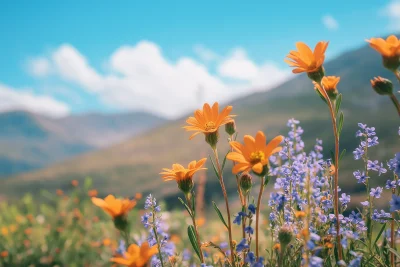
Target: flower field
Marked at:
304, 221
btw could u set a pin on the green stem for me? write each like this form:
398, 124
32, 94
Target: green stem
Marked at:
258, 215
395, 103
336, 176
195, 227
221, 181
156, 237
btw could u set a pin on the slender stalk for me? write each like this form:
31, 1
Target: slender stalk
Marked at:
221, 181
307, 221
158, 241
258, 215
336, 176
395, 103
195, 227
392, 243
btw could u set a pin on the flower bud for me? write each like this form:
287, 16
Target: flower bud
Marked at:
185, 185
317, 75
245, 182
121, 223
285, 235
391, 63
382, 86
230, 127
212, 139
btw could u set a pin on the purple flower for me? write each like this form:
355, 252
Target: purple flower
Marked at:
249, 230
376, 192
252, 208
358, 153
242, 245
344, 199
364, 203
360, 177
394, 203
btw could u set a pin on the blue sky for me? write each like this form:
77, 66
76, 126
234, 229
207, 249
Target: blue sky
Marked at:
61, 57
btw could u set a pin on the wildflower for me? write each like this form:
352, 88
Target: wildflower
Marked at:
376, 192
299, 214
106, 242
329, 84
344, 199
249, 230
394, 203
92, 193
305, 60
360, 176
394, 164
138, 196
4, 254
242, 245
254, 154
136, 256
75, 183
277, 246
382, 86
59, 192
183, 176
250, 258
389, 49
4, 231
252, 208
316, 261
208, 121
285, 236
117, 208
365, 203
238, 218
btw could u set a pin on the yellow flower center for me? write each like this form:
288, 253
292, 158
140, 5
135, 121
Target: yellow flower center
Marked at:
210, 126
257, 157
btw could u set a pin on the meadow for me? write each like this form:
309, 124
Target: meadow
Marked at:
304, 221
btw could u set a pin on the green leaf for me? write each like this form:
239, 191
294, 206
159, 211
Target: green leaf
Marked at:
340, 126
267, 179
193, 240
215, 169
380, 233
219, 214
186, 206
223, 163
321, 96
342, 154
338, 103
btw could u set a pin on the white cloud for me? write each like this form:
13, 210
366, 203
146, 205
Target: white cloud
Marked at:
205, 54
39, 67
140, 77
392, 11
330, 22
12, 99
239, 66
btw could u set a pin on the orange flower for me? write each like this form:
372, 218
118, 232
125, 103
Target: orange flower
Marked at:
75, 183
4, 254
114, 207
277, 246
59, 192
305, 60
106, 242
136, 256
4, 230
299, 214
92, 193
183, 176
138, 196
254, 153
28, 231
329, 83
387, 48
208, 120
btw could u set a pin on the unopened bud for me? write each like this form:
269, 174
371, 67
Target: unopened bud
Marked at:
382, 86
212, 139
285, 236
185, 185
230, 127
246, 182
391, 63
121, 223
317, 75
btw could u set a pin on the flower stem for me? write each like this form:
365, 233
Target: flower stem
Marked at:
392, 243
156, 237
336, 176
221, 181
195, 227
395, 103
258, 215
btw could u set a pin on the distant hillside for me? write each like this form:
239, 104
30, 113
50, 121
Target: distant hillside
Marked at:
30, 141
134, 165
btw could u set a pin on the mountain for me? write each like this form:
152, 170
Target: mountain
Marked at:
133, 166
29, 141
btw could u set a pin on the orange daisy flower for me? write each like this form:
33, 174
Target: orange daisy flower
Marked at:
208, 120
92, 193
329, 83
254, 153
305, 60
183, 176
136, 256
114, 207
387, 48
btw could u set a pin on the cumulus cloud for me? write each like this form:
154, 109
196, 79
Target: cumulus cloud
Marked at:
39, 67
205, 54
330, 22
140, 77
13, 99
392, 11
239, 66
